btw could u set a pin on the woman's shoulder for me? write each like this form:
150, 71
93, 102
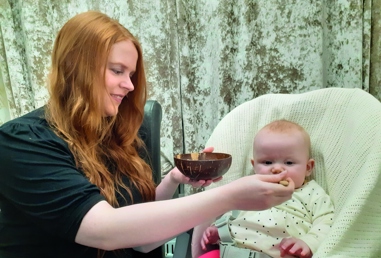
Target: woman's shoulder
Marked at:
30, 131
34, 117
32, 124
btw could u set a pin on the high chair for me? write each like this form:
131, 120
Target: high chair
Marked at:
345, 129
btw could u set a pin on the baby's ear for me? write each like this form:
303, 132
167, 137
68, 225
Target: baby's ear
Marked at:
310, 166
252, 162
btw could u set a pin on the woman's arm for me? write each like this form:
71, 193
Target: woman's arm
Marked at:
108, 228
166, 189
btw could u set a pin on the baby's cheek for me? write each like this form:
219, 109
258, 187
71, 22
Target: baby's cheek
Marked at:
298, 181
260, 170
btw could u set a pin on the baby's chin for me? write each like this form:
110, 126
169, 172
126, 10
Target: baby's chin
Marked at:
297, 186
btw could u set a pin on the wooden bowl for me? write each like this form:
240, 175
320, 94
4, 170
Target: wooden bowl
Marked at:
203, 166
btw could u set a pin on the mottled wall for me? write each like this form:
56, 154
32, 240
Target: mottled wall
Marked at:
233, 51
204, 57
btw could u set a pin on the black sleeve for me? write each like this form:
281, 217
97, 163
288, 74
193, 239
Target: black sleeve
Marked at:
39, 177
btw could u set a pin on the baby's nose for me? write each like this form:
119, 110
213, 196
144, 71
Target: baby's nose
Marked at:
276, 170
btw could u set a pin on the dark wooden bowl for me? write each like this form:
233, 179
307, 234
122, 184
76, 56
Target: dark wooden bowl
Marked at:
203, 166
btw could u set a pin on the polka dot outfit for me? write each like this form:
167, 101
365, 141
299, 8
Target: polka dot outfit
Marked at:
308, 216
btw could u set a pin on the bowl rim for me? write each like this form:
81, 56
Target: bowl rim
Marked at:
228, 156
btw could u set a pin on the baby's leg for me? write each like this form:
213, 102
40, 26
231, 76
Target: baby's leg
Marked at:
211, 254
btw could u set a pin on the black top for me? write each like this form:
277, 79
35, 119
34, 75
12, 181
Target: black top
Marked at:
43, 195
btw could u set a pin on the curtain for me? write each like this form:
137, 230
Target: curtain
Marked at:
204, 57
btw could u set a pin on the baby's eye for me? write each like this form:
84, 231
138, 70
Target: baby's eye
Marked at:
289, 162
267, 162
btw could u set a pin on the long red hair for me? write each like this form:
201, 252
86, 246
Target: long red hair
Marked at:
105, 148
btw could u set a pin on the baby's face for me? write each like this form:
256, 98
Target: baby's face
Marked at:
275, 152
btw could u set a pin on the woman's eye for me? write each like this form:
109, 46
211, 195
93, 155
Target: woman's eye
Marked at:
117, 72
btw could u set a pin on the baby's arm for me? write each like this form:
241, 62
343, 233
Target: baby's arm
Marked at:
322, 212
295, 247
210, 236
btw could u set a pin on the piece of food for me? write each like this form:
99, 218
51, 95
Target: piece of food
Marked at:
194, 155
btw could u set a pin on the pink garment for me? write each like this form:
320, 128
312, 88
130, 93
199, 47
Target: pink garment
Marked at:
211, 254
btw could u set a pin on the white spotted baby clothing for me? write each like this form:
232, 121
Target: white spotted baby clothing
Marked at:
308, 215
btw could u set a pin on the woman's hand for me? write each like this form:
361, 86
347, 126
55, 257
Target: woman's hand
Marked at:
258, 192
171, 181
178, 177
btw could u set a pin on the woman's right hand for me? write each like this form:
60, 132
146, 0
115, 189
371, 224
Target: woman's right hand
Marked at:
259, 192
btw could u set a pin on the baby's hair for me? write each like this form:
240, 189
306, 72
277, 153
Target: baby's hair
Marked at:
286, 126
283, 125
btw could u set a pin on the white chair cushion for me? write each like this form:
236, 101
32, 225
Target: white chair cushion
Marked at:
345, 129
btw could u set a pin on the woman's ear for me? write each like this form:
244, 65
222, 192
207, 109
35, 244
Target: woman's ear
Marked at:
310, 166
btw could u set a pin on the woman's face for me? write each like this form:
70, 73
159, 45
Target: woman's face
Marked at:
120, 67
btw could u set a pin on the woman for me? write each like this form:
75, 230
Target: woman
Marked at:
72, 183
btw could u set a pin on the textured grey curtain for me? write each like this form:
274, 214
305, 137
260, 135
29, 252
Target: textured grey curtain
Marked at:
204, 57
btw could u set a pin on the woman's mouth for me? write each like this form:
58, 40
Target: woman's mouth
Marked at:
117, 98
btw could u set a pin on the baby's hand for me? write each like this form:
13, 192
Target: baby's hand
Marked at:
295, 247
210, 236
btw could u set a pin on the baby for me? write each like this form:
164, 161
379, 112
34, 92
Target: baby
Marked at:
292, 229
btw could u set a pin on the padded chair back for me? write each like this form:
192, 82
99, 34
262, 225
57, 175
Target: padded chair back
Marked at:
345, 129
150, 133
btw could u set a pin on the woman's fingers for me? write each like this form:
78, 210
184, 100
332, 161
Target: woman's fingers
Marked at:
268, 192
273, 178
203, 183
217, 179
208, 149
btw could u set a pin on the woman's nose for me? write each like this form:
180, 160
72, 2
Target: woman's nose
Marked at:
127, 84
